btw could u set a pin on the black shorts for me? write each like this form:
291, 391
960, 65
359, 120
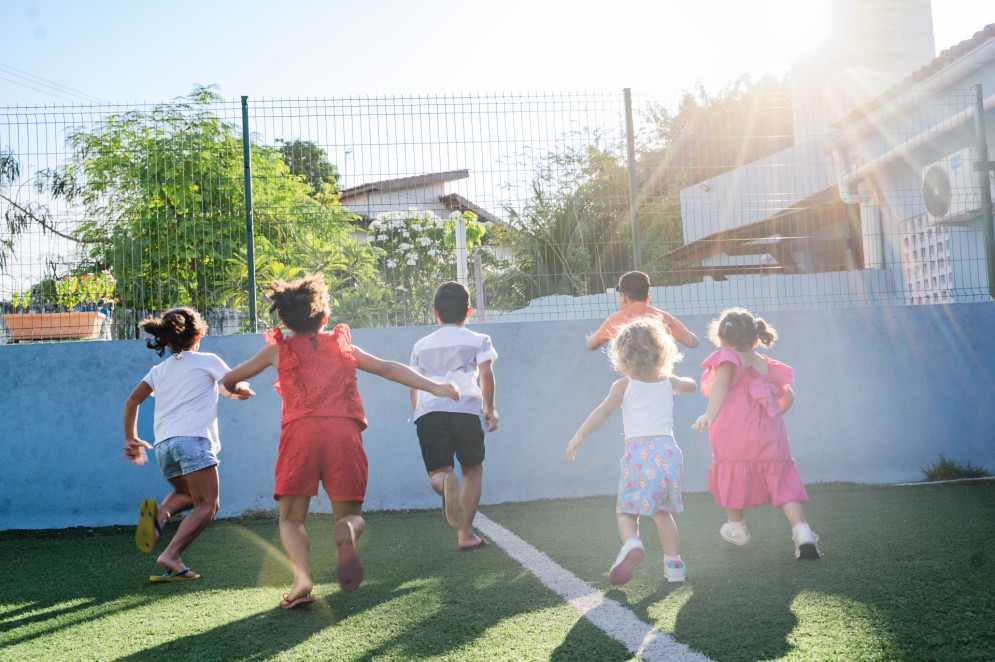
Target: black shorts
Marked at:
442, 434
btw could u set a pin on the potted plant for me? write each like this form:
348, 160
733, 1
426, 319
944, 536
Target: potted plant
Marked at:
85, 302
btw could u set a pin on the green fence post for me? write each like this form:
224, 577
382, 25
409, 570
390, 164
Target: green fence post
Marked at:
250, 252
637, 259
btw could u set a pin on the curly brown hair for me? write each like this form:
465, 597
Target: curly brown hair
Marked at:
177, 330
644, 347
739, 329
301, 304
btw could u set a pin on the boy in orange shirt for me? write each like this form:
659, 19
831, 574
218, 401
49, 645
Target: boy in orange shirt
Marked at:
633, 302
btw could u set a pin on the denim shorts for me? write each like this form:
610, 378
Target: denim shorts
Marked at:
178, 456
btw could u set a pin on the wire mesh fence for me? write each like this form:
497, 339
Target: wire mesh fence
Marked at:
760, 196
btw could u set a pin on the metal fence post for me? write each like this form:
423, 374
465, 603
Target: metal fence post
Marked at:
250, 252
983, 166
637, 260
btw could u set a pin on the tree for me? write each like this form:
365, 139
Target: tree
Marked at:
309, 161
574, 235
162, 200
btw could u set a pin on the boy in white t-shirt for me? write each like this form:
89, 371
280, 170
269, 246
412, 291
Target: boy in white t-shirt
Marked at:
448, 428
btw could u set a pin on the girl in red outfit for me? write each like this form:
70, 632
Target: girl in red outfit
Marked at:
321, 425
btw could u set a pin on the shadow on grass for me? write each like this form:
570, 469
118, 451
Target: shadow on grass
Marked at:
906, 573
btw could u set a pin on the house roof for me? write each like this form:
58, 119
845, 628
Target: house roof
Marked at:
456, 202
769, 236
402, 183
934, 66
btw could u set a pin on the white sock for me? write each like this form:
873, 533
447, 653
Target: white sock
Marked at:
667, 558
801, 527
737, 526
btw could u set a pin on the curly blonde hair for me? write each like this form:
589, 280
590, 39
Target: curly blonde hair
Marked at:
644, 347
739, 329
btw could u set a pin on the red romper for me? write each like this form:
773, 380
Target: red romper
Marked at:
323, 419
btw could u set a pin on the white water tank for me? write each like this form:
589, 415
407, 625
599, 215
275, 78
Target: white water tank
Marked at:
872, 45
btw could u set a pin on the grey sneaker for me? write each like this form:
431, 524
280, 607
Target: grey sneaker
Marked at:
729, 534
806, 545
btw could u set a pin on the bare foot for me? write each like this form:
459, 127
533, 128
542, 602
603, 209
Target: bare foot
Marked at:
350, 568
296, 592
471, 542
174, 564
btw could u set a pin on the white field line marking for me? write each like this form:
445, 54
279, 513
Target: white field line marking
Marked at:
612, 618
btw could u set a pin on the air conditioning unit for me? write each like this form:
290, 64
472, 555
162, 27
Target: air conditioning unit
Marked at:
950, 188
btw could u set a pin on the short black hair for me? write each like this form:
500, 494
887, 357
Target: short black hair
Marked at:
635, 285
452, 301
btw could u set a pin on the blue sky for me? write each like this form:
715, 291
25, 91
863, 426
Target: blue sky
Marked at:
151, 51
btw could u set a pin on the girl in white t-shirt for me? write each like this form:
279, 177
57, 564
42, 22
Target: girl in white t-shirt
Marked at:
186, 390
652, 464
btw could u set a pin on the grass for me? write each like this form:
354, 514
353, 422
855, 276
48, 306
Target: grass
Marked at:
906, 576
947, 469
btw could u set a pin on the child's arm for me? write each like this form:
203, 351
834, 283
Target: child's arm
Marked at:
786, 400
689, 340
134, 448
234, 382
241, 391
402, 374
414, 399
683, 384
592, 341
717, 396
597, 417
487, 388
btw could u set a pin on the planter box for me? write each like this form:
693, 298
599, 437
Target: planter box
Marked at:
54, 326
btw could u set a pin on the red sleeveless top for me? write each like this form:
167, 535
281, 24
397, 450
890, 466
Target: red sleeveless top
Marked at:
317, 375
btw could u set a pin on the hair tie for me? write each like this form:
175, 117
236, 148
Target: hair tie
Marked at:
754, 322
728, 324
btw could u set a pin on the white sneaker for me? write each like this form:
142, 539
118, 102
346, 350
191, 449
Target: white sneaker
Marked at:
735, 536
631, 555
806, 545
675, 571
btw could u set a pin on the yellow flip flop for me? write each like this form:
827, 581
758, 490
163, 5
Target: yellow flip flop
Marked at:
180, 576
147, 532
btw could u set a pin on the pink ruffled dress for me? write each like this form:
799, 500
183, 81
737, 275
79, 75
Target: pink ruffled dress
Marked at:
751, 456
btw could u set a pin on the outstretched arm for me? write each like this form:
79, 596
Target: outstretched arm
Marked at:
689, 340
592, 341
235, 379
717, 396
683, 384
597, 417
134, 448
402, 374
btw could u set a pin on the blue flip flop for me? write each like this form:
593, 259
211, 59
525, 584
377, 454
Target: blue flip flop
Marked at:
148, 531
180, 576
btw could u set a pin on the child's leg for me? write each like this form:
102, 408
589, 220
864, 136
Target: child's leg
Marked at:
628, 526
666, 528
202, 486
735, 515
293, 535
446, 484
794, 512
734, 530
436, 477
349, 526
470, 496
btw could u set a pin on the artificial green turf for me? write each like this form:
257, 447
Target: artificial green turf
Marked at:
907, 575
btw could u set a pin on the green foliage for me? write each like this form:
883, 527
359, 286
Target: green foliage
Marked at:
162, 194
309, 161
87, 290
21, 300
947, 469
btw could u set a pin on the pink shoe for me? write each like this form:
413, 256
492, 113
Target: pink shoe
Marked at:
631, 555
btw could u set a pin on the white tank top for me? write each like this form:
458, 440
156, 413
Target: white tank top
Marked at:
648, 409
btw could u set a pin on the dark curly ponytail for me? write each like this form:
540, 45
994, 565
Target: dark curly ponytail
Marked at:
177, 330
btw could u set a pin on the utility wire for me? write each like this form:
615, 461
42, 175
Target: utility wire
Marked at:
55, 89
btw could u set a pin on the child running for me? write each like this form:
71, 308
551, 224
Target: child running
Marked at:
321, 425
185, 387
447, 429
748, 394
633, 303
653, 465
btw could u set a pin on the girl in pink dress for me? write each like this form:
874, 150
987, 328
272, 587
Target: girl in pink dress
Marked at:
748, 394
